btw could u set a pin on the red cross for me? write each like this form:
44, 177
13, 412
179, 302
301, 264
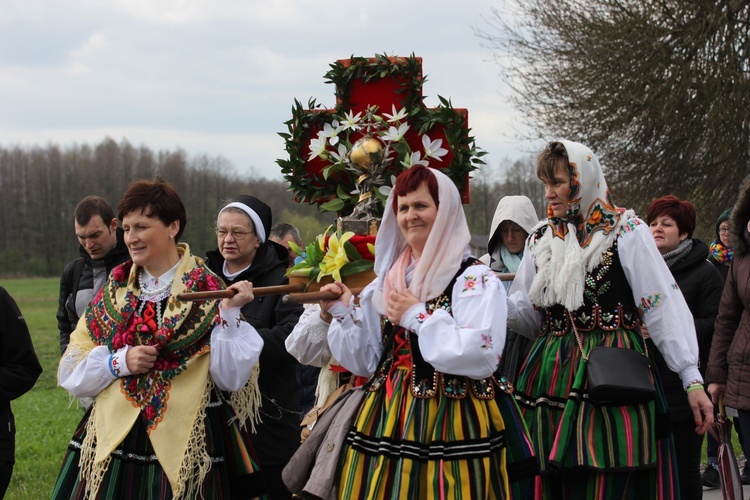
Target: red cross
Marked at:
384, 82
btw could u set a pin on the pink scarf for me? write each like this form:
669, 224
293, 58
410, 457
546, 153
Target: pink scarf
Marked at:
441, 257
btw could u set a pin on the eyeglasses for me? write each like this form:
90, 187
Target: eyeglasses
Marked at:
238, 235
723, 230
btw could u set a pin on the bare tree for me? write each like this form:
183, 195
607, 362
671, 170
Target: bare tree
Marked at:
657, 88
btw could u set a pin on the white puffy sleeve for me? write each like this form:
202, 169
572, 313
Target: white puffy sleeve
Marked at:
354, 336
308, 341
89, 376
235, 349
665, 312
469, 342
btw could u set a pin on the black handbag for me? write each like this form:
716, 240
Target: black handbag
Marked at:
617, 375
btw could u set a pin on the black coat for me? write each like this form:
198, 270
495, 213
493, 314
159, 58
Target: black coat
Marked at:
701, 285
19, 369
78, 276
277, 437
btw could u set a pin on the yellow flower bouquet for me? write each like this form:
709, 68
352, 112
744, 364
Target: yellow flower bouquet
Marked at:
334, 257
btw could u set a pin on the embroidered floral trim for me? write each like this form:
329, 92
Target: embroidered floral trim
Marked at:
114, 365
629, 225
486, 341
649, 302
470, 283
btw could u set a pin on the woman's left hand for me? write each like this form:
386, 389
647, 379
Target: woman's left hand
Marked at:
397, 304
243, 296
703, 410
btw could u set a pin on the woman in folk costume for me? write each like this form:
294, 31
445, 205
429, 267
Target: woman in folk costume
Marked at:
597, 264
160, 426
434, 423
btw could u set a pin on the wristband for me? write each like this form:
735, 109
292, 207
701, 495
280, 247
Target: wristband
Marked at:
114, 365
693, 387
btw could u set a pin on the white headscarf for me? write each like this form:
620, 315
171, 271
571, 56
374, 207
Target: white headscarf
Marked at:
517, 209
443, 252
573, 245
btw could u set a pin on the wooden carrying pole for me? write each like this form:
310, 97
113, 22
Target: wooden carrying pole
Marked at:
310, 297
225, 294
296, 293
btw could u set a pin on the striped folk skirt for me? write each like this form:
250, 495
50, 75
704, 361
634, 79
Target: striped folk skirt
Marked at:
588, 449
134, 472
438, 448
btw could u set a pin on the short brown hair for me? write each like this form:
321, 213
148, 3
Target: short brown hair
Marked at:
410, 179
91, 206
683, 212
554, 154
154, 199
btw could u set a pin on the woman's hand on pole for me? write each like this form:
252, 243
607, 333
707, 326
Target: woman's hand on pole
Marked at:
244, 295
343, 292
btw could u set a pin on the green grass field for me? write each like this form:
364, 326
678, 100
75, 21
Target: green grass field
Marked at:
45, 416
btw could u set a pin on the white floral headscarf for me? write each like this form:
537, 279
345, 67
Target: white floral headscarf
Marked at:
443, 252
573, 245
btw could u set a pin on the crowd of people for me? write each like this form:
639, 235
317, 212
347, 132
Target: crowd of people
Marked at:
471, 375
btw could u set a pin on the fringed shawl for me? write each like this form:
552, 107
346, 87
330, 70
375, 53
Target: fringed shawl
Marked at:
571, 246
173, 396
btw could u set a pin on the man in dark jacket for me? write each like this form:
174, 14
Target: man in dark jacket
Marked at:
245, 253
101, 249
19, 370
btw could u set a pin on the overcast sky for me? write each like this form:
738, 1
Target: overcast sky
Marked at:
219, 77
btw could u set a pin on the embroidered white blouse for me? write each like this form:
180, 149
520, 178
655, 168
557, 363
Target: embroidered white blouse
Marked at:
665, 312
468, 343
235, 349
308, 342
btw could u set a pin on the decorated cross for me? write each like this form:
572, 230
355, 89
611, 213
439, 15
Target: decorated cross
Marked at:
345, 159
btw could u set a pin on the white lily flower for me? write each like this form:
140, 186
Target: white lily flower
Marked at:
339, 155
331, 130
350, 121
318, 146
397, 116
432, 149
395, 134
414, 159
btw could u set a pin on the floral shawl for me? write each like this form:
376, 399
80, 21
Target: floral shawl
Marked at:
571, 246
173, 396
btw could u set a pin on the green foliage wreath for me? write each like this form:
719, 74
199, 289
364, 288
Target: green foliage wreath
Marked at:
322, 175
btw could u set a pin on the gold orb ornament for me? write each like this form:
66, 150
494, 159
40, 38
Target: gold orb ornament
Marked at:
367, 153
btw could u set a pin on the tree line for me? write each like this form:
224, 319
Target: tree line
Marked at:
40, 187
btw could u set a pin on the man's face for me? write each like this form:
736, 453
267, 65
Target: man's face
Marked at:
96, 237
285, 243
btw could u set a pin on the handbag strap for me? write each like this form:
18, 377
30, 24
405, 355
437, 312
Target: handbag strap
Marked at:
580, 344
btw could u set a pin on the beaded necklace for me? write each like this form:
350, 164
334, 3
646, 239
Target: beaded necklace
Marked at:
155, 290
